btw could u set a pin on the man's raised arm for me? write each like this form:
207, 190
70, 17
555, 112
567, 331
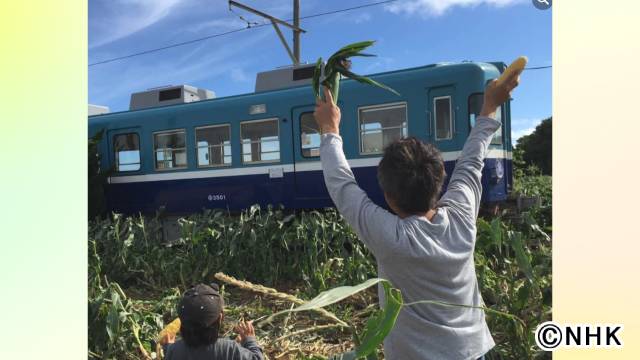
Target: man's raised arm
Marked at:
465, 188
369, 221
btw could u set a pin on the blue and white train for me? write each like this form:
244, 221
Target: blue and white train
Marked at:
183, 155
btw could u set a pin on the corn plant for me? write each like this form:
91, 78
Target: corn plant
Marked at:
255, 245
339, 64
307, 252
382, 321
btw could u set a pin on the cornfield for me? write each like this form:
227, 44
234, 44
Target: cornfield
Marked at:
135, 279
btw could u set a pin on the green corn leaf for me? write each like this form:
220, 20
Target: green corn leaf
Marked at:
332, 296
113, 317
484, 308
364, 55
380, 325
329, 297
363, 79
350, 50
515, 239
496, 232
359, 46
316, 78
483, 226
334, 68
334, 81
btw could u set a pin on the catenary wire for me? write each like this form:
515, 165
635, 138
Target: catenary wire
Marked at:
250, 26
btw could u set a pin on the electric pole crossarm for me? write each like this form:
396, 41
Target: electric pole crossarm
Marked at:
284, 42
295, 54
260, 13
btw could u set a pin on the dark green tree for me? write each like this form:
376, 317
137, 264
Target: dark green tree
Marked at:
535, 149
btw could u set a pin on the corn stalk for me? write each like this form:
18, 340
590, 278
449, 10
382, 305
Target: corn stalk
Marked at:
339, 64
275, 294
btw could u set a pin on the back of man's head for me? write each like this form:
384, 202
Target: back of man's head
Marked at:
411, 174
201, 314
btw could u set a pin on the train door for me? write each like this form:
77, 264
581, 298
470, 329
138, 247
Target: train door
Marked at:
310, 190
125, 158
124, 150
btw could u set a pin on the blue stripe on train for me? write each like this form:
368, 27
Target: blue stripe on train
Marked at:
301, 190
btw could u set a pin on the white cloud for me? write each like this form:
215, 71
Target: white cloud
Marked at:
523, 126
193, 68
362, 18
517, 134
218, 25
439, 7
382, 63
116, 19
239, 75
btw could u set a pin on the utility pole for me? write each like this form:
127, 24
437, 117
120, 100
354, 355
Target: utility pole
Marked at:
295, 54
296, 34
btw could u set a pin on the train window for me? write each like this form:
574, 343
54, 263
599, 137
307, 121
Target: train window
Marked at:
170, 150
380, 125
309, 136
260, 141
213, 145
475, 106
444, 119
126, 149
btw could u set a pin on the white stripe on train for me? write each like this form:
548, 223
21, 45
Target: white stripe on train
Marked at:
264, 170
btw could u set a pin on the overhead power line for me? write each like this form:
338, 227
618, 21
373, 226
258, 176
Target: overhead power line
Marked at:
169, 46
249, 27
252, 25
538, 67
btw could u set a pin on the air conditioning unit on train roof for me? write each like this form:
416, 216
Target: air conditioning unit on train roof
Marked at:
285, 77
97, 109
168, 95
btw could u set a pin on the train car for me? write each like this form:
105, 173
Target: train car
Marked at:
263, 147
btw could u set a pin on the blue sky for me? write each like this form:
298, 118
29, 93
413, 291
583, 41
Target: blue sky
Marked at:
408, 33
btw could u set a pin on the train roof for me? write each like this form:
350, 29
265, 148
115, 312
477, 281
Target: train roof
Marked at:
437, 68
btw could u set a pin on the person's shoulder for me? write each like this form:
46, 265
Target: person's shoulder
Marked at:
225, 343
175, 349
457, 213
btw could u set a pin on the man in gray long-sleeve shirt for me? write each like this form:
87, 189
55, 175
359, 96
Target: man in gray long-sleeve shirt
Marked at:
426, 249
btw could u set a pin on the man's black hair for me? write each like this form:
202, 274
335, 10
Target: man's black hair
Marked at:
195, 335
411, 173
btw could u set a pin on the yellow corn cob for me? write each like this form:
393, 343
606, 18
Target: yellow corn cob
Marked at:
172, 328
516, 66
